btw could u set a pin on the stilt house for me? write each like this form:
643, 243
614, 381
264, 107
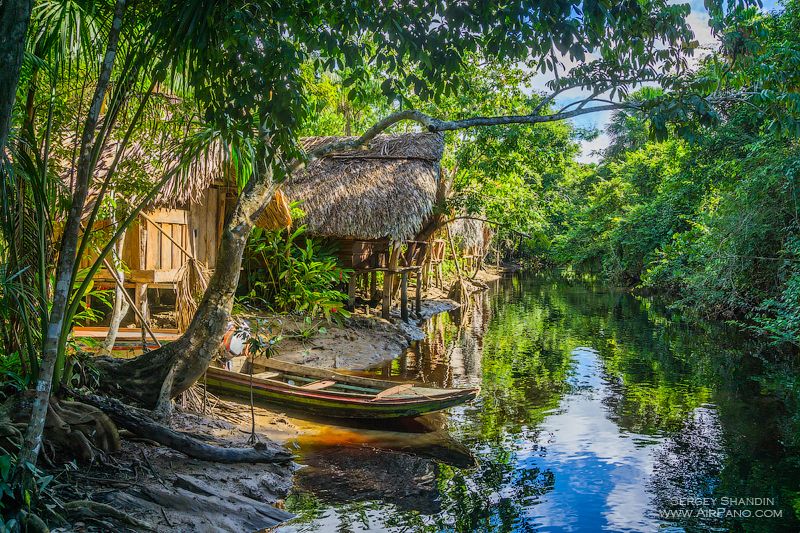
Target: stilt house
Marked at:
184, 222
374, 202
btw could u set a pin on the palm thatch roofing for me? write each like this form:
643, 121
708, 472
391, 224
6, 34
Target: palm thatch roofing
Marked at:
386, 189
467, 231
142, 166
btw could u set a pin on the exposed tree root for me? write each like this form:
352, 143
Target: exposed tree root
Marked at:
32, 523
139, 422
163, 409
225, 510
87, 509
72, 429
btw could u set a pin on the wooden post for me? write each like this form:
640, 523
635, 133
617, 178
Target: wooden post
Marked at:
351, 291
386, 304
140, 295
124, 293
373, 283
418, 294
404, 295
388, 279
144, 311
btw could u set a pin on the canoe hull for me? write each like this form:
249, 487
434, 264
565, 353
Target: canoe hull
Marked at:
332, 404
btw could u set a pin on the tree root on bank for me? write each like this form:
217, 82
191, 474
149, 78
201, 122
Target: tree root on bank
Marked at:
84, 430
74, 429
89, 510
462, 289
205, 502
139, 422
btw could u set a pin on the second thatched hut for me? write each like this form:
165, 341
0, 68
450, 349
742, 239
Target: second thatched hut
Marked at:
374, 202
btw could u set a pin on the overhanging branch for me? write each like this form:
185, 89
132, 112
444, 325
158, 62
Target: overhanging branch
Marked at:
434, 125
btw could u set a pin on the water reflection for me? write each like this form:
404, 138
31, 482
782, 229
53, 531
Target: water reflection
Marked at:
599, 411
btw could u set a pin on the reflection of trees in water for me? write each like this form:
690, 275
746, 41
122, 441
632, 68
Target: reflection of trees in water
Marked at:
450, 354
350, 474
661, 377
493, 498
687, 465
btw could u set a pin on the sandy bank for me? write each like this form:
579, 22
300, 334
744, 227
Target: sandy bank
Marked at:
361, 342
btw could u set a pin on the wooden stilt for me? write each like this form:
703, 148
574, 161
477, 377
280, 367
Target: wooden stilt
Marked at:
404, 295
144, 311
351, 291
418, 293
388, 280
387, 295
140, 301
373, 283
133, 305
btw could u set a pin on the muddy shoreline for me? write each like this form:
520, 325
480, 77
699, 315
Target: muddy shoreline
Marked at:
145, 479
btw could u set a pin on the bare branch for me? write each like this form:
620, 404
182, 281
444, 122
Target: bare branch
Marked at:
434, 125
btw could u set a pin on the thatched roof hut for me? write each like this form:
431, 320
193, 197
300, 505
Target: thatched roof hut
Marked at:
467, 231
386, 190
141, 167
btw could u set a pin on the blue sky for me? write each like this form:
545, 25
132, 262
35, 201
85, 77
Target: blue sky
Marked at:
698, 20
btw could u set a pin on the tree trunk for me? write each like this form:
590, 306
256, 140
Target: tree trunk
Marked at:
66, 257
14, 18
120, 302
141, 378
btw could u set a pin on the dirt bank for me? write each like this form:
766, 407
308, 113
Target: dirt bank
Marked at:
172, 492
361, 342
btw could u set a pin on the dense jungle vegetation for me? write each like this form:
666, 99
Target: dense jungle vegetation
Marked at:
695, 197
705, 212
708, 215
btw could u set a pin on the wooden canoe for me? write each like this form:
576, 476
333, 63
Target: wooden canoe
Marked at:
329, 393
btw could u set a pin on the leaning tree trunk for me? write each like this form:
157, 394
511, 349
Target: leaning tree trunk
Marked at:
67, 255
160, 375
14, 18
121, 305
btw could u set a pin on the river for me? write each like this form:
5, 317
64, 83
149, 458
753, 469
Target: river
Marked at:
599, 410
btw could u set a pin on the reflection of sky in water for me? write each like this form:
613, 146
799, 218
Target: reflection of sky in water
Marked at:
603, 448
600, 473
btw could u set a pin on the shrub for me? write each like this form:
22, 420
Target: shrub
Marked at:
290, 272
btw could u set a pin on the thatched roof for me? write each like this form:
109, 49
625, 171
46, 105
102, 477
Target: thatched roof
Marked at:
277, 214
384, 190
468, 231
143, 165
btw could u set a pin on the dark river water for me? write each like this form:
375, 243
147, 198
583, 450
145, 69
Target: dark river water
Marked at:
599, 411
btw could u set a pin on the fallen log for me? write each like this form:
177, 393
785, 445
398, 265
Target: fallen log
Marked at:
138, 421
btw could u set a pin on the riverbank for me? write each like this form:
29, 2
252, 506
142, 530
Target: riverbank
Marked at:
365, 340
171, 492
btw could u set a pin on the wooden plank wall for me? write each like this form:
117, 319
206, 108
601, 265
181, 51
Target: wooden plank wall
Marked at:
205, 220
197, 229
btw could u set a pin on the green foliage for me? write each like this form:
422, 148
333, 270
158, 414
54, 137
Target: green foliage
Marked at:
13, 377
18, 503
709, 215
505, 173
289, 272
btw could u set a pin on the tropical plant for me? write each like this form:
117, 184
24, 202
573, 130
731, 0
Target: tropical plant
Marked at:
240, 63
290, 272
